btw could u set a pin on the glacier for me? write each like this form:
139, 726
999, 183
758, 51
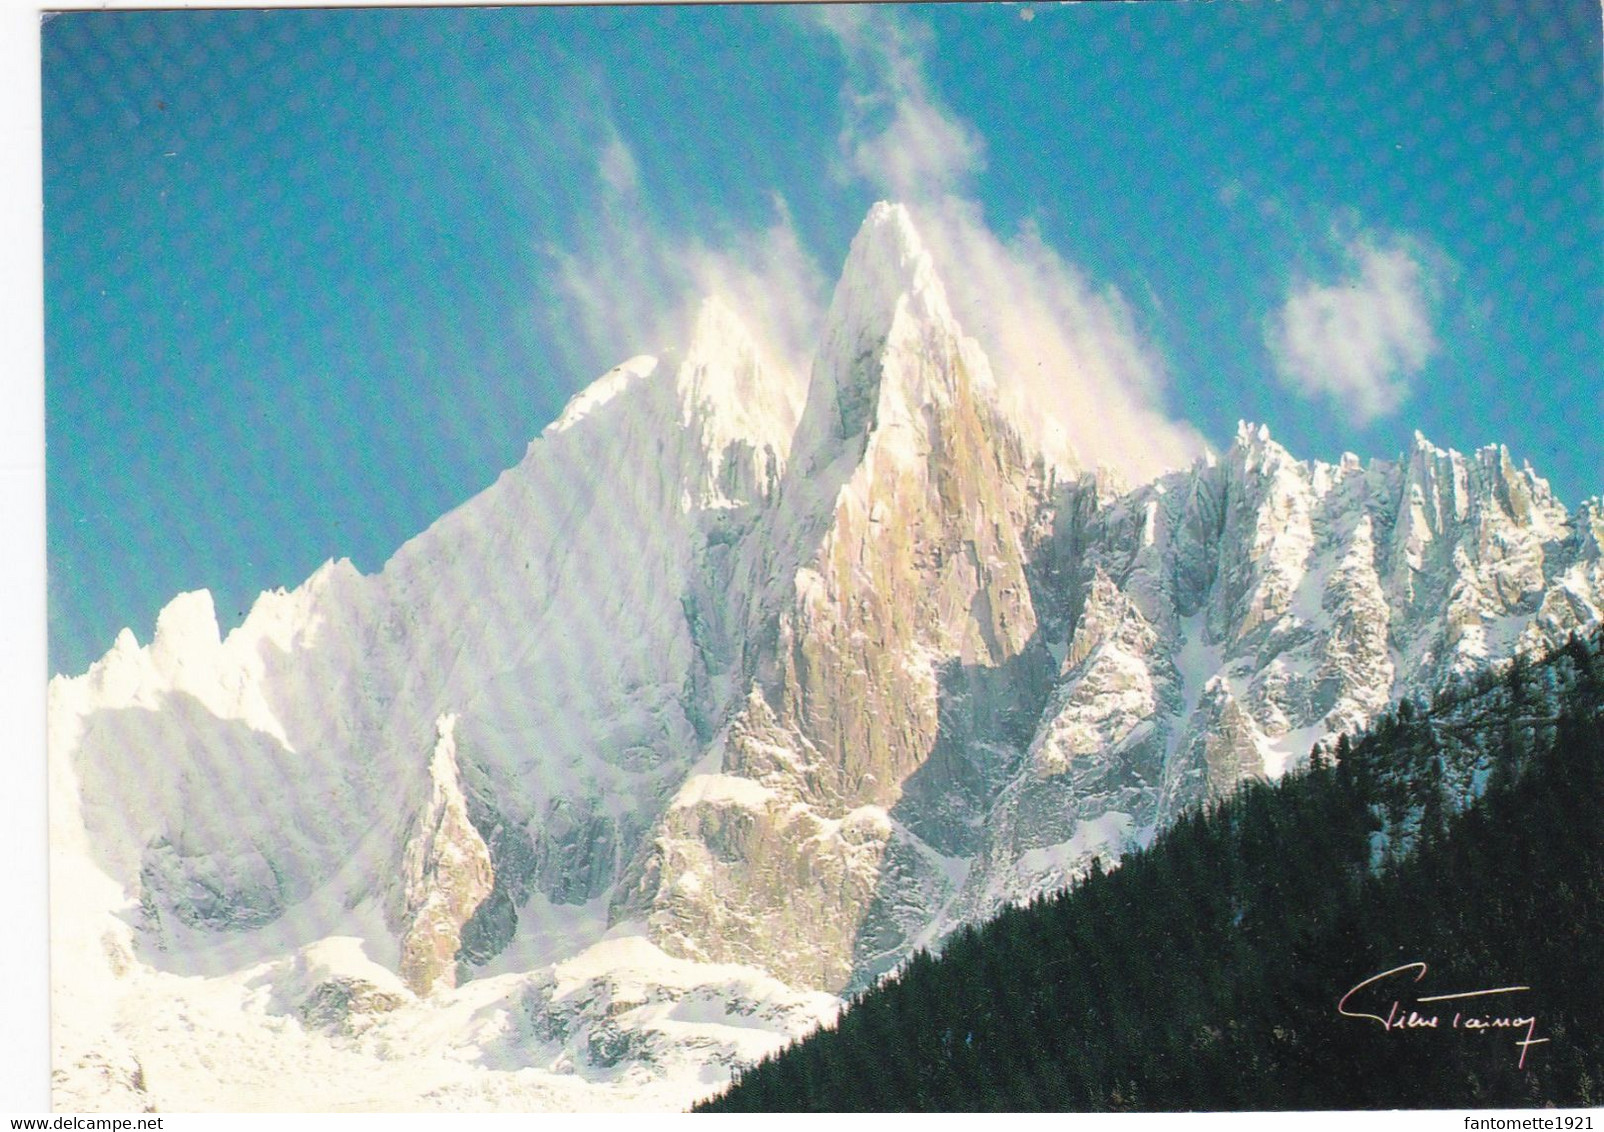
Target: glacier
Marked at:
742, 685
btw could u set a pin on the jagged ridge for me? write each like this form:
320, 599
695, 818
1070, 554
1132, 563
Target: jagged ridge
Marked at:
795, 683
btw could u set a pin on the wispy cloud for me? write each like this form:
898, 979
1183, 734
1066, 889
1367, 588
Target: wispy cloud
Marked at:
1067, 354
617, 165
628, 285
1360, 340
1070, 361
895, 133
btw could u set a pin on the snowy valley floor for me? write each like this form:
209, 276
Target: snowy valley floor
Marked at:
621, 1027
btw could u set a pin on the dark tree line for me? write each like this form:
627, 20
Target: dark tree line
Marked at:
1205, 972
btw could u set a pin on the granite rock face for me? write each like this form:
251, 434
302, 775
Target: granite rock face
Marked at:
974, 673
346, 1006
446, 874
896, 651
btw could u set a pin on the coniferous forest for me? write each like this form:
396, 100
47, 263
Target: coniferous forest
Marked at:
1414, 921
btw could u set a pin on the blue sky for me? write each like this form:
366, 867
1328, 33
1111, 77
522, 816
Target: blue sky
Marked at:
312, 278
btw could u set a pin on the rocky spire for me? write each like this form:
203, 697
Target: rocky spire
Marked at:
739, 407
889, 347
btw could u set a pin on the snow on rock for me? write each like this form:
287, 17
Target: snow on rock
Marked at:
887, 581
741, 407
445, 874
1221, 621
606, 387
733, 693
1054, 866
889, 347
715, 789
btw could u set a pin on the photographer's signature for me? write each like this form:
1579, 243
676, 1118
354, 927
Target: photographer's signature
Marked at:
1472, 1010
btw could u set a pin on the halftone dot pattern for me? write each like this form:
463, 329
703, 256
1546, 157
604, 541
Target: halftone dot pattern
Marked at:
270, 221
305, 292
1291, 74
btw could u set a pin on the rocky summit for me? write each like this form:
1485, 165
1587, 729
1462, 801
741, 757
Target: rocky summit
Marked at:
740, 687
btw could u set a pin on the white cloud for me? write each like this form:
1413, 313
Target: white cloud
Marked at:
630, 287
770, 280
1068, 355
1360, 340
919, 154
1069, 358
896, 134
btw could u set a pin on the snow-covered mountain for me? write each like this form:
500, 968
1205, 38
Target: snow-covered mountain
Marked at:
739, 687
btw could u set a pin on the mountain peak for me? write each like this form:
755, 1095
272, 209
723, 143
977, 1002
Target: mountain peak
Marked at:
887, 263
894, 222
720, 365
726, 373
716, 322
186, 625
890, 343
741, 406
1424, 445
1249, 434
1255, 449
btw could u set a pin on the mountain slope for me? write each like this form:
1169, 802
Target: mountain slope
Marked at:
1220, 621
